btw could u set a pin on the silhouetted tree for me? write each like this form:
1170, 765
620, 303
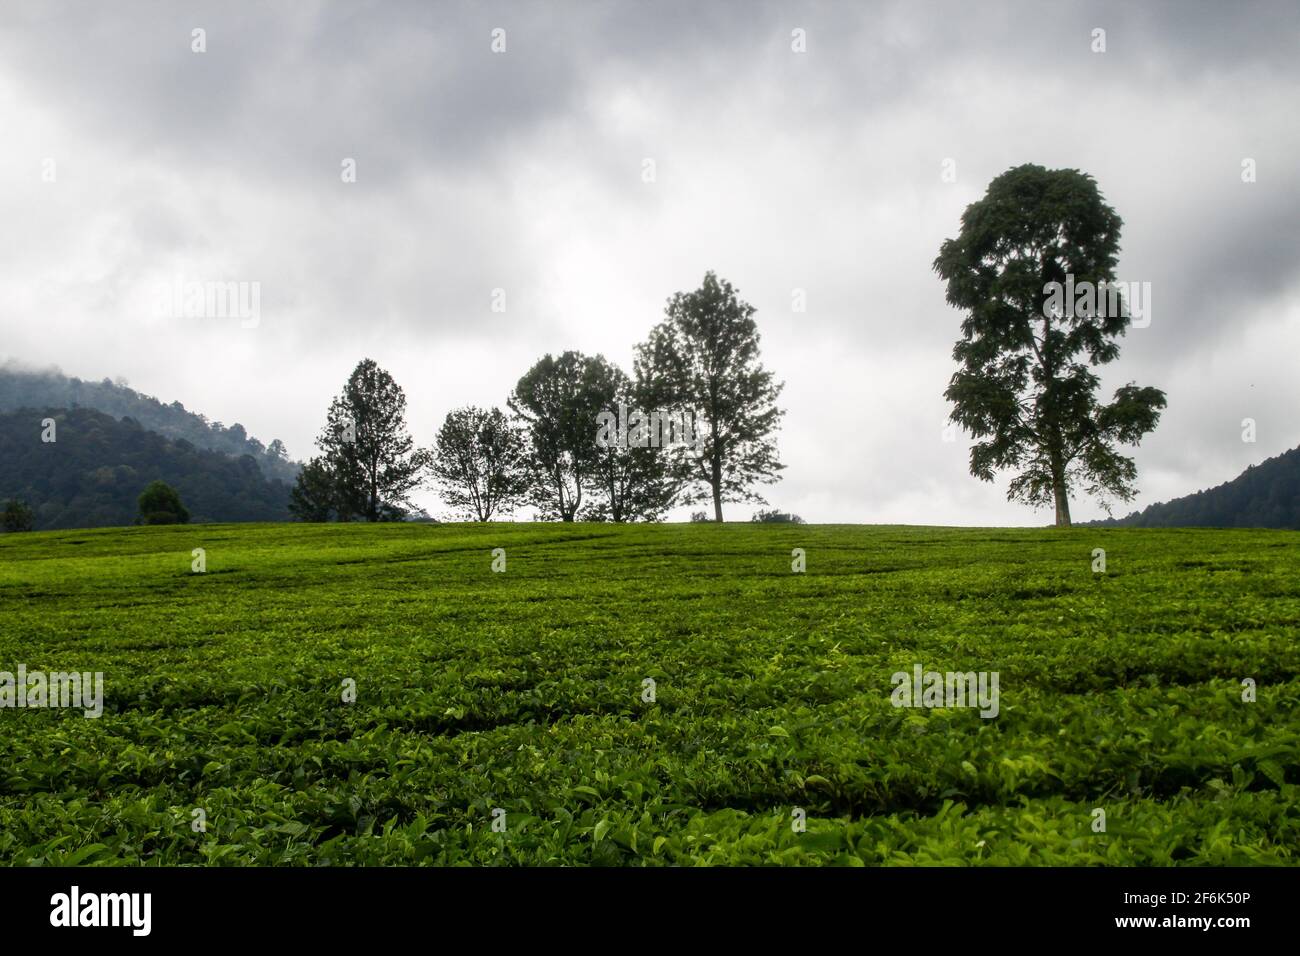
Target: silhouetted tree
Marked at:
315, 494
374, 462
635, 473
704, 357
558, 400
479, 462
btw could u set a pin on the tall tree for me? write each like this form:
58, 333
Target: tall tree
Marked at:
558, 400
1026, 386
634, 474
365, 441
704, 358
479, 462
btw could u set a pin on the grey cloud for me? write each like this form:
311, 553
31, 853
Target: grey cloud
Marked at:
522, 171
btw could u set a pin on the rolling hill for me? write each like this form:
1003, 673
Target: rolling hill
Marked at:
52, 389
97, 465
652, 695
1266, 495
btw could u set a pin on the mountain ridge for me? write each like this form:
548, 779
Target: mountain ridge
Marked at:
50, 388
86, 469
1265, 495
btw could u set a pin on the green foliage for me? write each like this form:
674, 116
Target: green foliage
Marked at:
17, 516
704, 357
52, 389
1026, 385
160, 504
92, 474
316, 495
479, 462
775, 517
633, 474
523, 691
558, 401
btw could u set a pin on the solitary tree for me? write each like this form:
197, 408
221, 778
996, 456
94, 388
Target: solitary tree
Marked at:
558, 400
704, 358
478, 461
1026, 386
160, 504
368, 449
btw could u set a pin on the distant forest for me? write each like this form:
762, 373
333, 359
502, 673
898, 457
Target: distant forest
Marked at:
1266, 495
93, 472
52, 389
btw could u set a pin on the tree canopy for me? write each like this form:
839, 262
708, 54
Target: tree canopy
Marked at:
558, 401
369, 454
1026, 385
704, 358
479, 463
160, 504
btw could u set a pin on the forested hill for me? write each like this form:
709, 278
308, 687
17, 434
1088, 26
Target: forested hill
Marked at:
96, 467
52, 389
1266, 495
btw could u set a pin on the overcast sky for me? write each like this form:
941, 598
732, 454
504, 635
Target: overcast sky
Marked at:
525, 170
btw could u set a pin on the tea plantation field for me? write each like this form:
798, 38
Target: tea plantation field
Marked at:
520, 697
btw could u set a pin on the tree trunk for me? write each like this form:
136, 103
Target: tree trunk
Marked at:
372, 511
1062, 496
715, 459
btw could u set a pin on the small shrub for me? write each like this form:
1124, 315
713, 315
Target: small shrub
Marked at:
775, 517
17, 516
160, 504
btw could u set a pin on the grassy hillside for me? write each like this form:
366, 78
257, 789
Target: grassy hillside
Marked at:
523, 691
